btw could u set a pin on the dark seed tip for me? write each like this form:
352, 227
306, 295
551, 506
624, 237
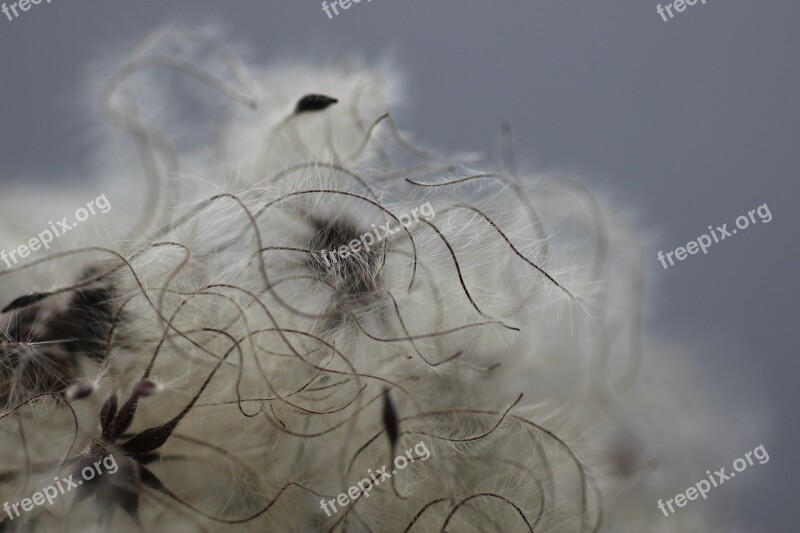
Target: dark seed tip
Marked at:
314, 102
25, 301
390, 419
79, 391
146, 387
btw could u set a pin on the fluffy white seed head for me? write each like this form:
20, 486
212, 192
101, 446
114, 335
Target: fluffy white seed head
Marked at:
503, 313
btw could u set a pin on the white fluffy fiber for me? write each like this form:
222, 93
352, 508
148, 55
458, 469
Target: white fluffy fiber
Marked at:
604, 427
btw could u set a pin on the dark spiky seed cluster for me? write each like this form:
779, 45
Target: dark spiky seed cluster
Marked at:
42, 345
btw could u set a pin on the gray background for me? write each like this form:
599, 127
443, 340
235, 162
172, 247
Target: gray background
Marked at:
693, 121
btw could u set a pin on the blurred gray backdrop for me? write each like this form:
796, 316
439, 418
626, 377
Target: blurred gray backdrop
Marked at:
692, 122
